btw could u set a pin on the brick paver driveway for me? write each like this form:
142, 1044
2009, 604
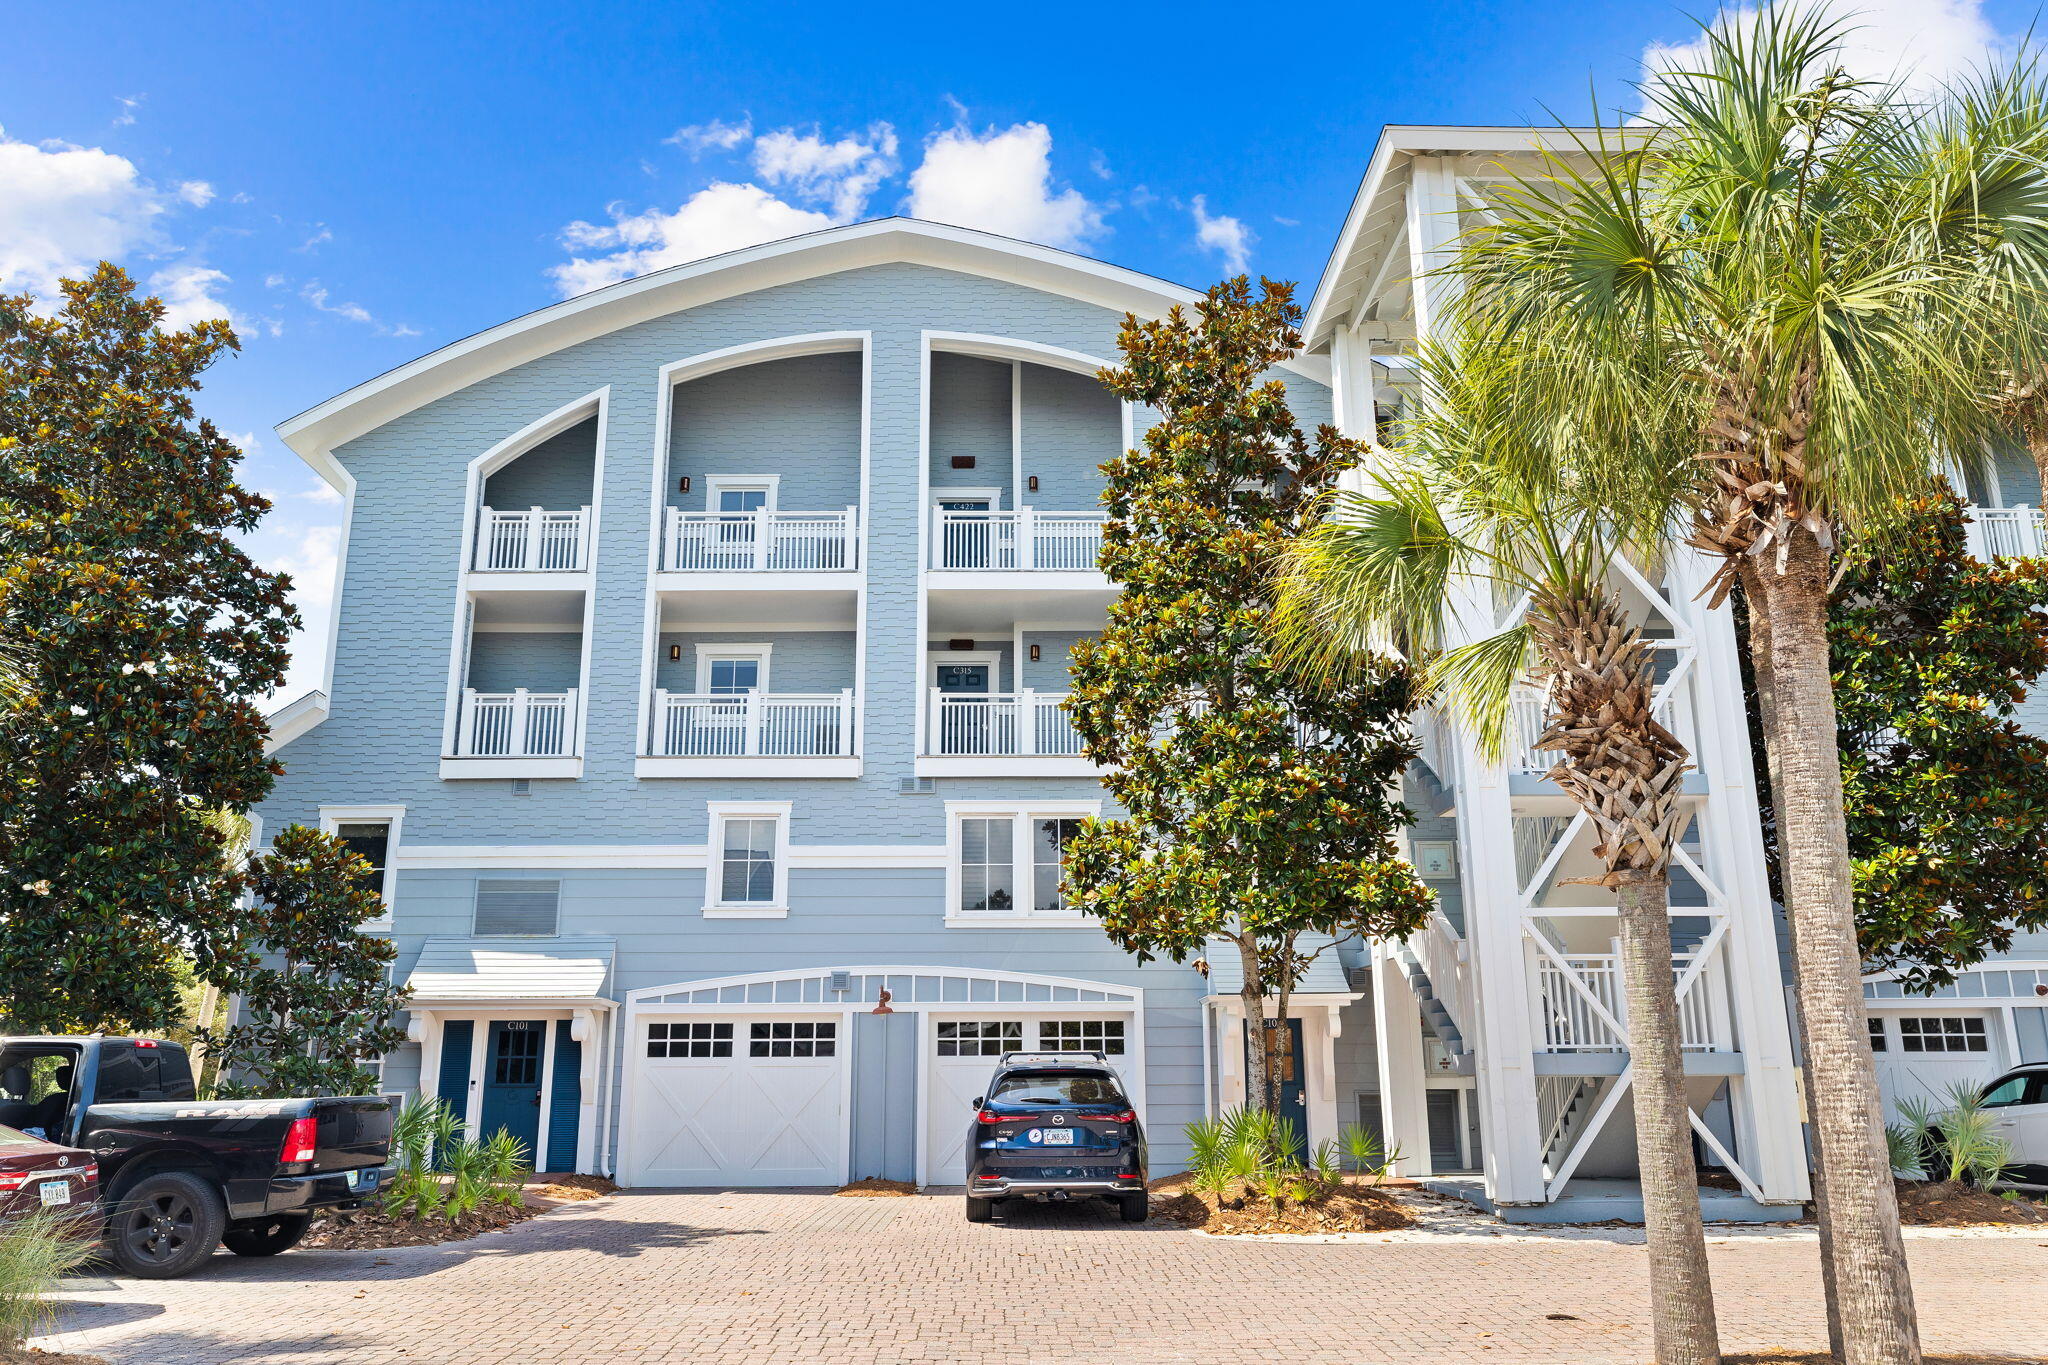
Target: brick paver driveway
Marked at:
788, 1277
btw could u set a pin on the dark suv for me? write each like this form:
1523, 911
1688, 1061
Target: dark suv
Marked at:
1055, 1126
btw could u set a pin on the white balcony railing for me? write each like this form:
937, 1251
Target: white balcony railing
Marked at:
533, 541
2004, 532
1000, 724
519, 724
746, 724
1570, 1023
759, 542
1523, 756
1027, 540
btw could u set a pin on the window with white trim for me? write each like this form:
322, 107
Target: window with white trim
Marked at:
1878, 1042
1942, 1033
1012, 863
980, 1037
732, 670
689, 1040
793, 1038
1082, 1035
748, 870
371, 833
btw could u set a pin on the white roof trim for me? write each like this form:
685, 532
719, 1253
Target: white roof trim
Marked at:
453, 971
316, 432
294, 718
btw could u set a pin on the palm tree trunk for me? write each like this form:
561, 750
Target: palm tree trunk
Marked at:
1625, 770
1681, 1289
1872, 1285
1759, 663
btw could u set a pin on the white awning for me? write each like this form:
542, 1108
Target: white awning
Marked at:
456, 972
1325, 975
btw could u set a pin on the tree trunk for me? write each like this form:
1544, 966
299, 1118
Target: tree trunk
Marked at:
1873, 1288
1626, 771
1681, 1290
1258, 1051
1759, 664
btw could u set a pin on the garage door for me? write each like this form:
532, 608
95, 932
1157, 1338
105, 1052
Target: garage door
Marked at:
964, 1056
1925, 1055
743, 1101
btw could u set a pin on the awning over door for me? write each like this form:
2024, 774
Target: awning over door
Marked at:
458, 972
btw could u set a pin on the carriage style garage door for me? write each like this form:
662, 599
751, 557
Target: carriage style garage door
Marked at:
746, 1101
964, 1052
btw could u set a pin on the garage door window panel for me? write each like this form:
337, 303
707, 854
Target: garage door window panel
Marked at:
1082, 1035
793, 1038
980, 1037
689, 1040
1943, 1033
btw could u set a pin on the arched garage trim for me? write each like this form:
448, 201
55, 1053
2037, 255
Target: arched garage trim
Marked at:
845, 991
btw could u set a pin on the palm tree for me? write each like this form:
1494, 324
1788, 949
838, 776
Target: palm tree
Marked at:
1822, 286
1475, 494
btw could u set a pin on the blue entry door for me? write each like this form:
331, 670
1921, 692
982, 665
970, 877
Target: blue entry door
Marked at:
512, 1058
1293, 1092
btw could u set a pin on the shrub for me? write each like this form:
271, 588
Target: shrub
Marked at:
444, 1173
36, 1251
1958, 1143
1252, 1154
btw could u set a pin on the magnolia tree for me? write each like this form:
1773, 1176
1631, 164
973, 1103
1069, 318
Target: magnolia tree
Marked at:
1257, 815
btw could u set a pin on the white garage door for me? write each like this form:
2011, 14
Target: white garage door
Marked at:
1924, 1055
964, 1056
744, 1102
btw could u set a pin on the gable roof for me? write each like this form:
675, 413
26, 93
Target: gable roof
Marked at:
315, 433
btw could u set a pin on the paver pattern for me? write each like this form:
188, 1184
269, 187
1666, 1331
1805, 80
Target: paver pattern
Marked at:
765, 1278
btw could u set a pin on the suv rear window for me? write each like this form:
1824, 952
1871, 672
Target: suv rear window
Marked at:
1050, 1090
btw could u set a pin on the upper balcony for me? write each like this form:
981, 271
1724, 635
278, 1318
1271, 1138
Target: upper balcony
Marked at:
760, 541
1026, 541
533, 521
720, 708
517, 711
533, 541
2005, 532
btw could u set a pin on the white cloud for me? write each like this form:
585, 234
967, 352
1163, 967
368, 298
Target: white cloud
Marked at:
1223, 234
843, 173
319, 296
721, 217
129, 104
1920, 43
1000, 181
190, 293
717, 135
197, 193
62, 208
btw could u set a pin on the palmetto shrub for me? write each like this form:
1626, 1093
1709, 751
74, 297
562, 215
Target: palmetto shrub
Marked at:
36, 1252
1249, 1155
442, 1172
1956, 1142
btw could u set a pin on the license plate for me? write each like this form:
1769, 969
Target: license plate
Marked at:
355, 1178
56, 1192
1053, 1137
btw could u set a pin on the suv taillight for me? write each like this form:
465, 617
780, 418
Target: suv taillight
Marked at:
10, 1181
300, 1141
1127, 1116
987, 1116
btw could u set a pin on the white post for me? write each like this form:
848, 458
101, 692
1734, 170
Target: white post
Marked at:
529, 553
1027, 538
465, 721
1027, 721
938, 536
760, 538
935, 741
750, 721
582, 538
570, 743
849, 545
485, 542
430, 1053
1404, 1092
672, 538
657, 743
845, 721
515, 738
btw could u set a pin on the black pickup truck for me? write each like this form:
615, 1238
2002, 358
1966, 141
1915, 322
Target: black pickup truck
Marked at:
180, 1176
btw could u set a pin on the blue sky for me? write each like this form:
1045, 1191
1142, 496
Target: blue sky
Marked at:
356, 184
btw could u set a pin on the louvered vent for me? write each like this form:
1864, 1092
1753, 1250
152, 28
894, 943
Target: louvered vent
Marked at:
521, 907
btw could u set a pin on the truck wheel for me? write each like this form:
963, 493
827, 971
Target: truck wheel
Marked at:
267, 1236
980, 1210
1132, 1208
164, 1225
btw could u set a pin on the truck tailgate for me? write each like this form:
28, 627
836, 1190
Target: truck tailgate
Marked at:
353, 1132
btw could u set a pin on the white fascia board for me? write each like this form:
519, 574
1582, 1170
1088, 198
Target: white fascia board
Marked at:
294, 718
1005, 765
318, 431
474, 769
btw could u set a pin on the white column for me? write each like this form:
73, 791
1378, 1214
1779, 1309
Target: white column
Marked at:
1397, 1029
1352, 386
584, 1030
430, 1052
1432, 230
1027, 721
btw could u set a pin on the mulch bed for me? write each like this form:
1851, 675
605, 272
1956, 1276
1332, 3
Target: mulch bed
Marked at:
13, 1355
874, 1187
1357, 1207
374, 1230
1944, 1204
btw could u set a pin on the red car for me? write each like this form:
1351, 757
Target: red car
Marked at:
35, 1174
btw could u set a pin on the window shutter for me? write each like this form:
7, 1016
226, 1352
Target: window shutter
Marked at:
517, 907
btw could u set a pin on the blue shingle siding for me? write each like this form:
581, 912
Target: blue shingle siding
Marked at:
559, 474
799, 660
1071, 424
971, 416
798, 418
539, 661
1051, 671
457, 1037
2019, 479
564, 1102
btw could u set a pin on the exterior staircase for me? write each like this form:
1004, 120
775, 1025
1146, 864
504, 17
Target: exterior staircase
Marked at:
1437, 1018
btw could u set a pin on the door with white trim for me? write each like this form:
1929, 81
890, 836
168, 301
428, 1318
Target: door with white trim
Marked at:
965, 1051
742, 1101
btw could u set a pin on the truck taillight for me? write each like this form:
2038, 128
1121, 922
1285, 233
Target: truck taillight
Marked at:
300, 1141
987, 1116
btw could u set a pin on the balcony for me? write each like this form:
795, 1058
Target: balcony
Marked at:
762, 542
752, 734
1026, 541
1579, 999
1025, 733
515, 734
2004, 532
533, 541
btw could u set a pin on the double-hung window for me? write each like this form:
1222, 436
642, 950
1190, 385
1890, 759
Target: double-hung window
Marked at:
371, 833
1009, 863
748, 868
